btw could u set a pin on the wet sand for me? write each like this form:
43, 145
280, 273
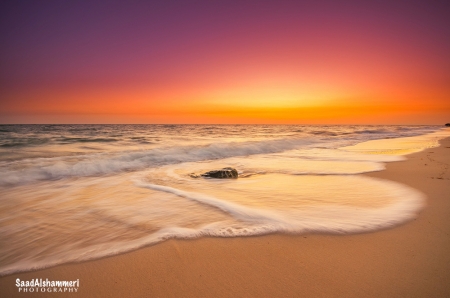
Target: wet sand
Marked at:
411, 260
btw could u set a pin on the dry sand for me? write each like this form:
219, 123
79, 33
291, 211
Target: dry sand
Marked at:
412, 260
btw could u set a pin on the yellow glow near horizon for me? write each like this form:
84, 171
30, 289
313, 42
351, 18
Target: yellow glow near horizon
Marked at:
266, 98
254, 104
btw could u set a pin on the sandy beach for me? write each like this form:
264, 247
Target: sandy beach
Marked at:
411, 260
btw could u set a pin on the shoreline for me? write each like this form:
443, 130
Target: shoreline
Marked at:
410, 260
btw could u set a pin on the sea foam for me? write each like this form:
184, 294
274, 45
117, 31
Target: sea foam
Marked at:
80, 205
27, 171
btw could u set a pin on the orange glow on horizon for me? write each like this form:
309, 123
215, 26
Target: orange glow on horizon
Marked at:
259, 95
281, 62
228, 106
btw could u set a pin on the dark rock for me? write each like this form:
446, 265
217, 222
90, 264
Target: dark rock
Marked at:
221, 174
447, 124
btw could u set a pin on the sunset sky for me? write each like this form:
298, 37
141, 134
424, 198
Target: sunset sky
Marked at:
304, 62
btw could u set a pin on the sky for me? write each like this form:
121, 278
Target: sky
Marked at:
272, 62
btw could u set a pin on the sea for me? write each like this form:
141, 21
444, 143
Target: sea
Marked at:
71, 193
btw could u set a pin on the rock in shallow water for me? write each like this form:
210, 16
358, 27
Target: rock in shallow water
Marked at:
223, 173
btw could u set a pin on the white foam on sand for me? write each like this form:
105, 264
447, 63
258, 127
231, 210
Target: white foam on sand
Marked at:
400, 146
399, 203
338, 216
115, 214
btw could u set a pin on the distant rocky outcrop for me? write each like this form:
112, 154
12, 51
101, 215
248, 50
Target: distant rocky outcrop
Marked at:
447, 124
225, 173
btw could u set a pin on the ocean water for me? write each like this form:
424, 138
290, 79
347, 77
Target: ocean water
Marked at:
78, 192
